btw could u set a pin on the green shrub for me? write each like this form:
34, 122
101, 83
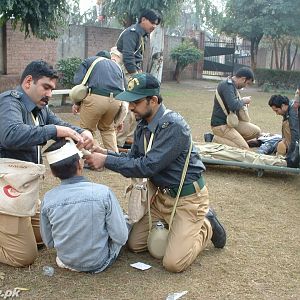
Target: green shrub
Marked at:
277, 79
185, 54
67, 68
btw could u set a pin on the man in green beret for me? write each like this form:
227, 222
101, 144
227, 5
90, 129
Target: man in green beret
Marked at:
194, 223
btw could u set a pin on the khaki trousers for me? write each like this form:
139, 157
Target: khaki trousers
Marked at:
190, 230
129, 123
17, 241
283, 145
128, 129
235, 137
98, 112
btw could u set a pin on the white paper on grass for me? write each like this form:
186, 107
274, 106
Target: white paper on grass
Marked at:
176, 296
140, 266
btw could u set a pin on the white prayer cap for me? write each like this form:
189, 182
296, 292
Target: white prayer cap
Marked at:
67, 150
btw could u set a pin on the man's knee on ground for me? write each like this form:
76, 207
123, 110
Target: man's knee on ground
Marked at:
135, 246
21, 259
281, 148
171, 265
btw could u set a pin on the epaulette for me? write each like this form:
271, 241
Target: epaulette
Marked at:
16, 94
229, 80
133, 29
165, 125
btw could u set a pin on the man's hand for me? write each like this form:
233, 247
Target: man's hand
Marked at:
246, 100
96, 160
99, 149
88, 140
120, 127
75, 109
63, 131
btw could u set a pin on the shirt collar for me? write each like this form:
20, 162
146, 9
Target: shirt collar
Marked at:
74, 179
29, 104
140, 30
154, 123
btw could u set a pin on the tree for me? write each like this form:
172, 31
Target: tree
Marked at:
41, 18
253, 19
185, 54
127, 11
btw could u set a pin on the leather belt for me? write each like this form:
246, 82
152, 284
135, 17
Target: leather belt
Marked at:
186, 190
104, 93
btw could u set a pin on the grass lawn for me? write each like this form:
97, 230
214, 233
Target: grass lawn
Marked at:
261, 259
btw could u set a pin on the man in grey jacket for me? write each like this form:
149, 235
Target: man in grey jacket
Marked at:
131, 43
26, 123
229, 95
99, 109
288, 146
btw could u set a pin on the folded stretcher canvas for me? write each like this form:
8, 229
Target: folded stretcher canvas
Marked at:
220, 154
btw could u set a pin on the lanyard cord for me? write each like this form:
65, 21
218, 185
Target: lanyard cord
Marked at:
37, 123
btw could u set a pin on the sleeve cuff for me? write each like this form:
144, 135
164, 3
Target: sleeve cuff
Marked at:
50, 131
111, 162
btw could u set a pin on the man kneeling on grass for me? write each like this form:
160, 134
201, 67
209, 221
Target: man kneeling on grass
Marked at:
81, 219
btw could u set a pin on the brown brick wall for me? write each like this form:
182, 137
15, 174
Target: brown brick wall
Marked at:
100, 39
8, 82
21, 51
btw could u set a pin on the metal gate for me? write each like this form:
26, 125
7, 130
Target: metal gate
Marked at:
219, 57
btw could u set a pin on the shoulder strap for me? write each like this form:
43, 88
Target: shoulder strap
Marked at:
88, 73
141, 46
186, 164
221, 102
178, 192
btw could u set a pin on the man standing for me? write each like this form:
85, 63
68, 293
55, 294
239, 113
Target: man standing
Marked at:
26, 123
99, 109
82, 220
131, 44
227, 92
194, 224
282, 106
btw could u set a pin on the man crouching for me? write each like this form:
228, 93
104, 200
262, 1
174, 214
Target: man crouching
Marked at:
81, 219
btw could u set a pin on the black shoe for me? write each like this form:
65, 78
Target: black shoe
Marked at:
219, 234
208, 137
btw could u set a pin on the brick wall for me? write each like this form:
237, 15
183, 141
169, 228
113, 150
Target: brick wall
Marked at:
100, 38
21, 51
80, 41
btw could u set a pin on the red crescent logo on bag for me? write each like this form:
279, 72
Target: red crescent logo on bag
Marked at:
10, 192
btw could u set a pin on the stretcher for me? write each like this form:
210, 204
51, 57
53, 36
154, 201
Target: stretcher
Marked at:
216, 154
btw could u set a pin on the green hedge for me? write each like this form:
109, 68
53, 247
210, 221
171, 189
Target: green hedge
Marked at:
278, 79
67, 68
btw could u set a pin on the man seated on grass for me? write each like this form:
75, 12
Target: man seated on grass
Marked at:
82, 220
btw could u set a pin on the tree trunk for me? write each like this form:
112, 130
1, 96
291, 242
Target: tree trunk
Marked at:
276, 55
272, 58
294, 57
253, 50
177, 72
155, 65
282, 56
288, 56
